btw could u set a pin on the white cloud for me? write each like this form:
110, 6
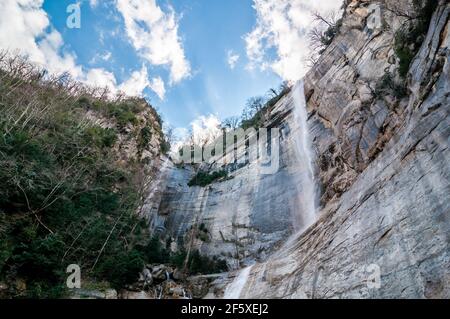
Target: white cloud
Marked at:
232, 59
93, 3
205, 129
154, 34
157, 85
22, 23
180, 138
283, 25
137, 82
101, 78
101, 57
106, 57
25, 27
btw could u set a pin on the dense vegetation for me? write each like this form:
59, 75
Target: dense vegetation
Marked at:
64, 197
387, 85
256, 110
194, 264
203, 178
66, 194
409, 38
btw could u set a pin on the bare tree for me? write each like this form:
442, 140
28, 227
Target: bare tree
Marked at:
169, 133
231, 123
322, 34
253, 106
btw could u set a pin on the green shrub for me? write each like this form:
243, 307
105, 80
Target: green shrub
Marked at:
145, 136
45, 290
408, 38
85, 102
256, 121
5, 253
330, 33
203, 237
199, 264
386, 85
40, 259
203, 179
101, 137
155, 253
202, 233
255, 112
126, 117
165, 146
122, 268
177, 259
65, 198
403, 50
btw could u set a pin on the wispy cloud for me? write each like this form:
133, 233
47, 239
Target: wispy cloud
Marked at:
137, 82
102, 78
232, 59
26, 28
154, 34
157, 85
203, 130
93, 3
106, 56
283, 25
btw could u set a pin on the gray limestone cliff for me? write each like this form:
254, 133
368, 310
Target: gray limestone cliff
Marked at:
382, 161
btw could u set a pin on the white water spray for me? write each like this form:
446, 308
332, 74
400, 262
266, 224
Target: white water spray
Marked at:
234, 290
305, 213
306, 204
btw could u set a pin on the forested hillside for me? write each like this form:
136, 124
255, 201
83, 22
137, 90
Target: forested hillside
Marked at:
69, 187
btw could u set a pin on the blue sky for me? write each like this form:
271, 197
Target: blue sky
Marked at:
208, 31
188, 58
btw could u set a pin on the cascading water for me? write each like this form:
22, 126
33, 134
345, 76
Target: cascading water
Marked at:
305, 211
234, 290
306, 204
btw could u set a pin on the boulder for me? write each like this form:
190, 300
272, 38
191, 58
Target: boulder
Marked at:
111, 294
147, 277
199, 286
178, 274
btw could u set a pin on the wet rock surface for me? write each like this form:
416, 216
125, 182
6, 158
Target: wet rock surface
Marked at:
382, 162
391, 220
158, 282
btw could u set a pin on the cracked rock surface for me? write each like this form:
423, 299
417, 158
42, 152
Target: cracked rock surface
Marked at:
382, 162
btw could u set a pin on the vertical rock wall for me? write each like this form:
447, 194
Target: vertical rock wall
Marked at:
382, 159
387, 234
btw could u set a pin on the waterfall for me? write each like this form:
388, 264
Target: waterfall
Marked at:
305, 211
306, 202
234, 290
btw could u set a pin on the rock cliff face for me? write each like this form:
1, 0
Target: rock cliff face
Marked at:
382, 160
246, 216
141, 142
